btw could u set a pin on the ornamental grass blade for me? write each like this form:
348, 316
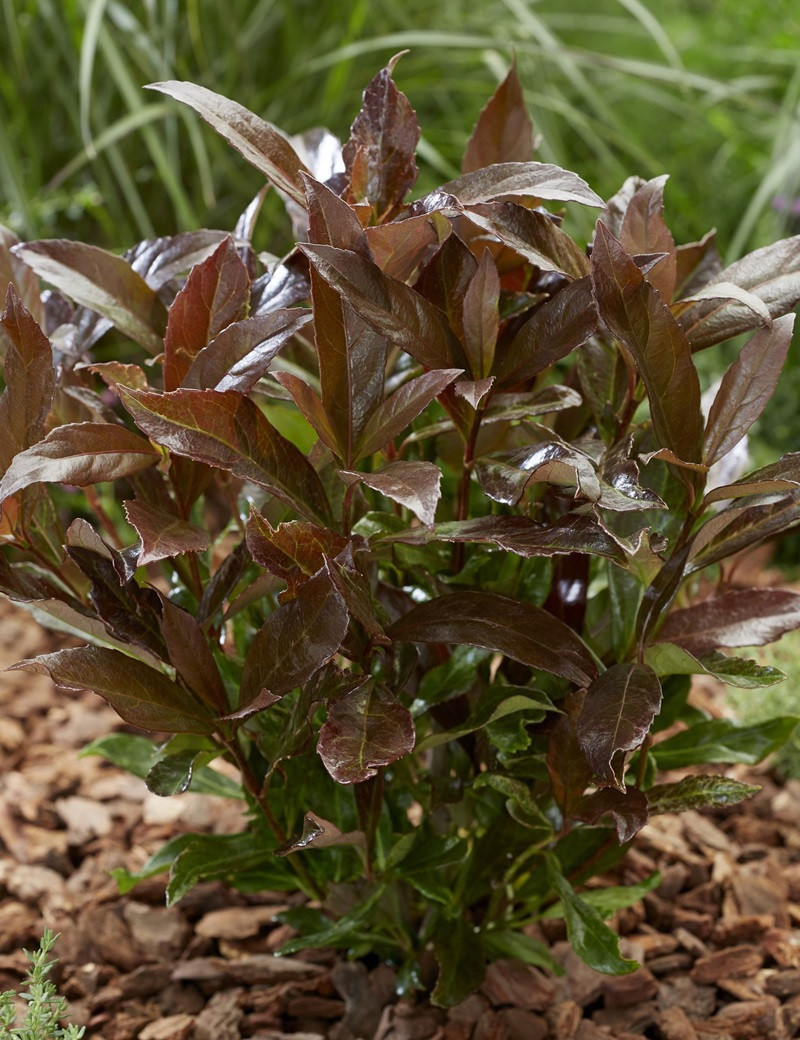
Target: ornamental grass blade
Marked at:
296, 640
746, 388
380, 156
503, 131
618, 711
140, 695
228, 430
103, 282
81, 454
415, 485
635, 314
259, 142
389, 306
29, 377
520, 631
365, 730
216, 293
736, 617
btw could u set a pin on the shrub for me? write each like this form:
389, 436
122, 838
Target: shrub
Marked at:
419, 528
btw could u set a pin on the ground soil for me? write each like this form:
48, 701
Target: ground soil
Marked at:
719, 939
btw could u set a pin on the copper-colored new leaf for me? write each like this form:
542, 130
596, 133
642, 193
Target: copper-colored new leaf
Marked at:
293, 551
697, 264
771, 273
644, 230
628, 808
415, 485
29, 378
552, 331
101, 281
310, 404
399, 248
533, 235
746, 388
618, 711
379, 157
529, 179
504, 131
635, 314
567, 767
296, 640
365, 730
228, 430
481, 316
140, 695
736, 617
737, 527
191, 656
79, 453
520, 631
445, 278
259, 142
216, 294
240, 355
14, 272
160, 260
389, 306
405, 404
163, 534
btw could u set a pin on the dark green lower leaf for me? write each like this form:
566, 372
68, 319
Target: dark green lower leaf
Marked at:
459, 951
697, 792
720, 740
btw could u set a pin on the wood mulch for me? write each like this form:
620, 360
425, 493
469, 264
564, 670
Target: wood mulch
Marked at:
719, 939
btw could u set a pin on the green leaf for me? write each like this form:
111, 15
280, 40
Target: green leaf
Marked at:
591, 939
216, 294
227, 430
365, 730
459, 952
606, 901
669, 659
79, 453
523, 632
103, 282
296, 640
635, 314
746, 389
617, 714
233, 858
172, 774
496, 703
697, 792
520, 804
338, 933
159, 862
721, 740
261, 144
504, 131
520, 947
140, 695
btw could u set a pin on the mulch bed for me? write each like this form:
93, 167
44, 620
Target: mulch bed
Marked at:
719, 939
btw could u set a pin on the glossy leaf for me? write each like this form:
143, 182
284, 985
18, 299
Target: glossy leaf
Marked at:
400, 409
553, 331
140, 695
163, 534
635, 314
507, 479
293, 551
389, 306
643, 230
608, 900
365, 730
258, 141
736, 617
533, 235
318, 833
670, 659
504, 131
14, 271
458, 949
738, 526
628, 806
161, 260
215, 295
481, 316
698, 792
523, 632
445, 278
415, 485
771, 273
191, 656
296, 640
227, 430
617, 714
698, 264
102, 282
379, 157
591, 938
79, 453
721, 740
399, 248
496, 703
746, 389
29, 377
527, 179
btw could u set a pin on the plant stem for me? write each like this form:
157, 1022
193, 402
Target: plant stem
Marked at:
462, 496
